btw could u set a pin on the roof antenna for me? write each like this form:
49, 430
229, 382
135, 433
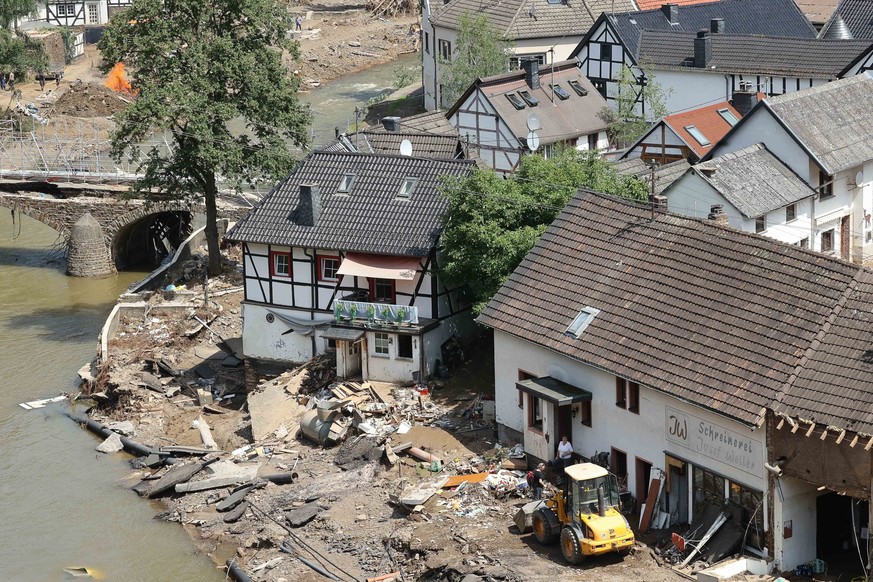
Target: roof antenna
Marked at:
533, 10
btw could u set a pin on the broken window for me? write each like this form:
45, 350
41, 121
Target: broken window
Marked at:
534, 413
404, 346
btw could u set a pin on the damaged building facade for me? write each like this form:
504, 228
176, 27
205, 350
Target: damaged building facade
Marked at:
669, 342
341, 256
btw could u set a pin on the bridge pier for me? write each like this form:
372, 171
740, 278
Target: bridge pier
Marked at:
87, 253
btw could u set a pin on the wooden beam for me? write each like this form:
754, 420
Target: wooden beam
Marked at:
781, 422
842, 436
854, 442
869, 444
824, 435
811, 428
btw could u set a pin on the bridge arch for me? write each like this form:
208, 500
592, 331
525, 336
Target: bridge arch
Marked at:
147, 234
39, 214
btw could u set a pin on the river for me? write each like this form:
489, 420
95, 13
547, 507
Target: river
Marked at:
62, 502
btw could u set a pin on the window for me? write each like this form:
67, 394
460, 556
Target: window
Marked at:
600, 85
381, 343
827, 241
580, 90
516, 102
592, 141
633, 397
427, 42
345, 185
804, 244
515, 61
605, 51
761, 224
560, 92
331, 344
751, 503
93, 14
697, 135
583, 320
61, 9
280, 264
534, 413
522, 376
621, 392
327, 268
728, 116
708, 489
529, 99
619, 464
445, 50
790, 212
826, 185
585, 412
404, 346
383, 290
407, 187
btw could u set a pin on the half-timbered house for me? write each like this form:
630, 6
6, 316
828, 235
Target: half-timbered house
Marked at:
501, 118
75, 12
342, 254
546, 31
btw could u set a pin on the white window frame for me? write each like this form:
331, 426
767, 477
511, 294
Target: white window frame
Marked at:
93, 18
381, 344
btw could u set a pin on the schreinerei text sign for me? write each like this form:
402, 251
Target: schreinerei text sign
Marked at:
714, 441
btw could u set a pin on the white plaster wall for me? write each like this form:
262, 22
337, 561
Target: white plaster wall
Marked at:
762, 127
643, 435
798, 507
787, 232
265, 340
390, 368
563, 46
439, 33
689, 90
693, 196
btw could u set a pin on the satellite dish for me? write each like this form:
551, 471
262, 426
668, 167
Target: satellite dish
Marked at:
406, 148
533, 122
533, 141
859, 178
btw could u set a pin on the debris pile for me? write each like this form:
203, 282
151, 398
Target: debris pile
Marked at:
89, 100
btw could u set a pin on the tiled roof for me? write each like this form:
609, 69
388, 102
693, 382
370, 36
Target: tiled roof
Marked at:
710, 315
833, 386
707, 120
433, 122
754, 180
754, 54
834, 120
370, 219
854, 17
817, 11
654, 4
665, 175
560, 119
424, 145
518, 20
742, 17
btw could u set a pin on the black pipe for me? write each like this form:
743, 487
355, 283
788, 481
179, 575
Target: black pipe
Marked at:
601, 502
236, 573
129, 445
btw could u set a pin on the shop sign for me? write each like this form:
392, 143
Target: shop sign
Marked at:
713, 441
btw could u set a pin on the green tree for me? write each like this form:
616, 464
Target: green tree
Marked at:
480, 51
210, 76
636, 106
12, 10
493, 222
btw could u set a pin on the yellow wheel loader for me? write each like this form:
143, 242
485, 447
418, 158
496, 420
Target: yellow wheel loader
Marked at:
588, 519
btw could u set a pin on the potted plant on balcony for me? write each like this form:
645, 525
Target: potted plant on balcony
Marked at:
386, 314
353, 310
337, 311
371, 313
401, 316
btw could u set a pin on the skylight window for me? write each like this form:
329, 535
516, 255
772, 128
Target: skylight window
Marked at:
407, 187
583, 320
529, 99
697, 134
576, 86
345, 185
728, 116
560, 92
514, 99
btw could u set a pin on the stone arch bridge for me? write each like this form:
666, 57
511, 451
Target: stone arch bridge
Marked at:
104, 233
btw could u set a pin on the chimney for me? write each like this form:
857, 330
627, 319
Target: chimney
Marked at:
660, 203
531, 73
717, 215
671, 11
702, 49
310, 205
391, 123
716, 26
745, 98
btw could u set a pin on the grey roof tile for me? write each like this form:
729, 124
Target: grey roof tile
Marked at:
854, 16
370, 219
665, 175
833, 120
705, 313
754, 180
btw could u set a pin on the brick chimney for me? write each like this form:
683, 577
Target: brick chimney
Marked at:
702, 49
716, 26
531, 73
310, 205
745, 98
717, 215
391, 123
671, 11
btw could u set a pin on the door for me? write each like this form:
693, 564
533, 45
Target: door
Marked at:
353, 359
846, 238
676, 490
563, 426
643, 475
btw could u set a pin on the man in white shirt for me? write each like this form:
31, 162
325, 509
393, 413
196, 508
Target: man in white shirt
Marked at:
565, 456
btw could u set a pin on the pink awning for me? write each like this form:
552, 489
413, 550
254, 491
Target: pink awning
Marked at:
380, 266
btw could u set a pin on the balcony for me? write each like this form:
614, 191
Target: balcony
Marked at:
374, 314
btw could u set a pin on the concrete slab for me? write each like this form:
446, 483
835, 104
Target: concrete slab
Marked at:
272, 408
209, 352
111, 445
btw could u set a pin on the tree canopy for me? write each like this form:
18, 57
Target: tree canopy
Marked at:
209, 76
638, 103
493, 222
480, 51
12, 10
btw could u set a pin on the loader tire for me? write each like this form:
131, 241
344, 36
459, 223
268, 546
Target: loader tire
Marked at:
571, 546
545, 525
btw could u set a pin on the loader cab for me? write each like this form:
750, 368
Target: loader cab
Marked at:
585, 480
